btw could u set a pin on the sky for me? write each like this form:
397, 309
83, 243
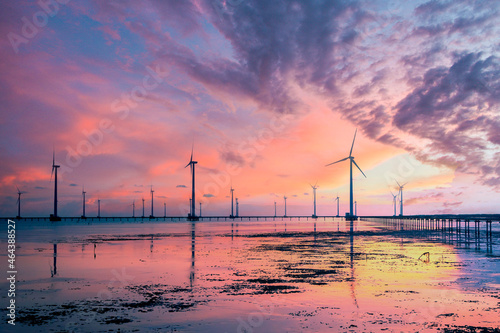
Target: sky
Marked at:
266, 93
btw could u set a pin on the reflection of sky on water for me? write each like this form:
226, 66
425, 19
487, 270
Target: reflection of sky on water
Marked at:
216, 275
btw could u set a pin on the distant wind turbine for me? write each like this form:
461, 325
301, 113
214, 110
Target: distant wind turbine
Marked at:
351, 158
401, 197
232, 195
394, 199
285, 204
152, 215
133, 208
314, 192
83, 202
19, 202
192, 164
237, 204
54, 216
338, 204
274, 208
143, 207
98, 208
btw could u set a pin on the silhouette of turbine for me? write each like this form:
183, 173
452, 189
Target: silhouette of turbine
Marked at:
192, 164
83, 202
232, 200
152, 215
54, 217
19, 202
351, 159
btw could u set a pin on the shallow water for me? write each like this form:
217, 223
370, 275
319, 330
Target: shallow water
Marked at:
257, 276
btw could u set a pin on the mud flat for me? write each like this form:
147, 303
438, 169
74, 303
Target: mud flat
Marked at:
199, 278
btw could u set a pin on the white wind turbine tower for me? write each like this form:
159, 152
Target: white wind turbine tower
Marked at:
401, 197
314, 193
285, 204
394, 200
351, 158
338, 205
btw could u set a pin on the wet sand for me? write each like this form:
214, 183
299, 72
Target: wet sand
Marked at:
252, 277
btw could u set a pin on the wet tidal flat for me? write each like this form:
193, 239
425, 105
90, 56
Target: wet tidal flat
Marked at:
251, 277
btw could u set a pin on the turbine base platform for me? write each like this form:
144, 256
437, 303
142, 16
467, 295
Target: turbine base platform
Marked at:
54, 218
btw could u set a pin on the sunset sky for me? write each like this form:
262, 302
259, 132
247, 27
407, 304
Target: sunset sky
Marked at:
268, 92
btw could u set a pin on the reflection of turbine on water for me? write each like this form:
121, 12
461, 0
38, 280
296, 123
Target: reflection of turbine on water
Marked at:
53, 270
353, 279
193, 249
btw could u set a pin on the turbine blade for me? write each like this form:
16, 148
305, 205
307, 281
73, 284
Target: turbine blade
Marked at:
53, 156
358, 167
404, 184
338, 161
350, 154
398, 183
52, 173
17, 202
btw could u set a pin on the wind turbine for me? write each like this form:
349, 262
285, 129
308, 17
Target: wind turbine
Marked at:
355, 208
232, 195
285, 204
200, 209
164, 209
351, 159
401, 197
19, 202
394, 199
192, 164
152, 215
83, 202
98, 208
237, 204
133, 208
54, 216
338, 204
274, 208
143, 207
314, 192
